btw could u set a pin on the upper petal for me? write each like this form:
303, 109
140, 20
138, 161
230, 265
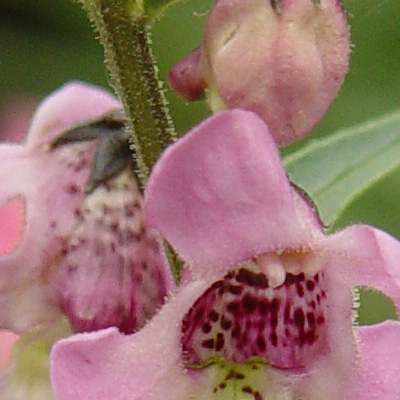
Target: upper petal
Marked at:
220, 194
67, 106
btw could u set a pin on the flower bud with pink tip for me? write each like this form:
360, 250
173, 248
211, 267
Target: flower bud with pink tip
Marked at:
284, 60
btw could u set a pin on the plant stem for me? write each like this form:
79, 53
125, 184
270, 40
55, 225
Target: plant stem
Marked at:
125, 36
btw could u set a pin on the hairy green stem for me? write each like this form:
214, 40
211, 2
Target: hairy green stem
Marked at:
124, 33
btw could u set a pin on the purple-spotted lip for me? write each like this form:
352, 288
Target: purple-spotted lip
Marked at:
240, 317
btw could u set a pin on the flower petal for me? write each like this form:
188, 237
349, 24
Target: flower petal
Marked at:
380, 362
220, 194
67, 106
371, 259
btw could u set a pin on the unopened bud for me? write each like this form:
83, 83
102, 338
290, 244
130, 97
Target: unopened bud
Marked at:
285, 60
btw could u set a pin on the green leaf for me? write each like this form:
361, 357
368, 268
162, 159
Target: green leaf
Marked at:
336, 169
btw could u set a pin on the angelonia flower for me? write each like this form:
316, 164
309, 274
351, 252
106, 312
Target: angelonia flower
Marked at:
87, 258
265, 307
285, 60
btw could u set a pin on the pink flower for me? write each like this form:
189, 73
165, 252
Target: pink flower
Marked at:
89, 257
285, 60
265, 309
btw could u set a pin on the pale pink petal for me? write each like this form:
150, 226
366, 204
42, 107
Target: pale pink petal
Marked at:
220, 195
379, 362
365, 256
72, 103
145, 366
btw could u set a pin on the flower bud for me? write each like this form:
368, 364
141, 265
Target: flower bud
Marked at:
285, 60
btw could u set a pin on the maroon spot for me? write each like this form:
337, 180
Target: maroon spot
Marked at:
299, 319
310, 337
208, 344
261, 325
114, 227
199, 314
72, 188
249, 303
220, 342
233, 307
213, 315
310, 285
275, 303
222, 385
230, 275
206, 328
257, 396
230, 375
252, 279
247, 389
291, 279
274, 339
300, 290
129, 210
225, 323
310, 318
287, 332
234, 289
286, 315
316, 278
320, 320
215, 285
244, 339
273, 321
263, 306
78, 214
248, 325
261, 343
236, 331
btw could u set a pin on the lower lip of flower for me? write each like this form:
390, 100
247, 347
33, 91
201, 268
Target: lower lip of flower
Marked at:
241, 316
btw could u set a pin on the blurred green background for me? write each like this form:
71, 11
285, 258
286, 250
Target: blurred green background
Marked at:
44, 43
